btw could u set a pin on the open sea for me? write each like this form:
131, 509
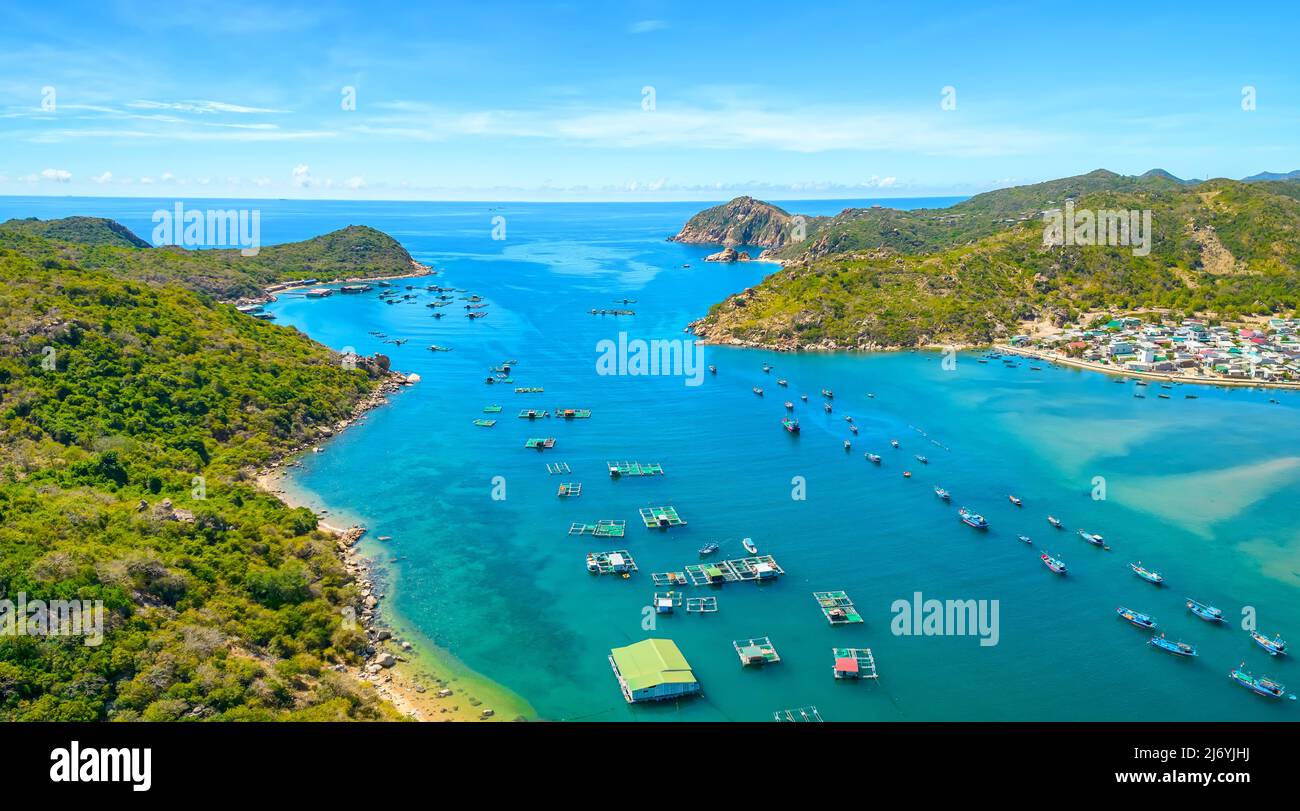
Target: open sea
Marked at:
1204, 490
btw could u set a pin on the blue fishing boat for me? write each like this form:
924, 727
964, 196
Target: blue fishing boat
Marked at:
894, 442
1025, 539
749, 545
1016, 501
942, 493
1052, 563
1263, 685
1136, 617
828, 394
713, 369
1176, 648
758, 391
922, 459
1147, 574
1092, 538
790, 425
1273, 647
827, 406
874, 458
1206, 612
1054, 522
708, 549
971, 519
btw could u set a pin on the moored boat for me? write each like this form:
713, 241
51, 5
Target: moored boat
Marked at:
767, 367
1136, 617
758, 391
1092, 538
749, 545
1052, 563
874, 458
922, 459
1206, 612
847, 445
1176, 648
853, 429
971, 519
1025, 539
1015, 500
789, 405
713, 369
942, 493
803, 397
1273, 647
1147, 574
790, 425
828, 394
708, 549
894, 442
782, 382
1054, 522
827, 406
1263, 685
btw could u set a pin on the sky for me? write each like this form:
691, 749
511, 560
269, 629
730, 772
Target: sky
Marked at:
634, 100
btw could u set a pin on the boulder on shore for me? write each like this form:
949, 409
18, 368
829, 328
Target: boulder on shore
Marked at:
728, 254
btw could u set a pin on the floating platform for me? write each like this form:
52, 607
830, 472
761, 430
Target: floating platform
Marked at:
669, 578
756, 568
837, 607
532, 414
605, 528
485, 423
573, 413
529, 390
701, 605
756, 651
555, 468
799, 715
617, 562
569, 490
854, 663
540, 443
661, 517
620, 469
492, 409
666, 601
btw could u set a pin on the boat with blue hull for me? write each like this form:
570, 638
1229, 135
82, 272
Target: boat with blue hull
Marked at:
1206, 612
708, 549
1273, 647
1176, 648
1136, 617
971, 519
1055, 564
1147, 574
1093, 538
1262, 685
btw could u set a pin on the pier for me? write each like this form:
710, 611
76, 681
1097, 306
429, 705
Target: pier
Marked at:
619, 469
854, 663
758, 567
756, 651
661, 517
837, 607
605, 528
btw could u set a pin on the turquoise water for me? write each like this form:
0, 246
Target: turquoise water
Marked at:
1203, 490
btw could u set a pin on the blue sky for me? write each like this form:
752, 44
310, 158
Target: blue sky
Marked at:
551, 101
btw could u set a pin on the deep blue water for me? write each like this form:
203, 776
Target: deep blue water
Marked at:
1204, 490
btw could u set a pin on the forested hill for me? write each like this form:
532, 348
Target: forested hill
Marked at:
99, 244
979, 270
131, 413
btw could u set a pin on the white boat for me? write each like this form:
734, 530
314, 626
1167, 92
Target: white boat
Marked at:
749, 546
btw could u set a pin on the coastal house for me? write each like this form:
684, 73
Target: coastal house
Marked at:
652, 670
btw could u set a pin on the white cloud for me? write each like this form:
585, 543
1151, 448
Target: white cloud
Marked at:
355, 182
302, 176
106, 177
56, 175
887, 182
646, 26
199, 106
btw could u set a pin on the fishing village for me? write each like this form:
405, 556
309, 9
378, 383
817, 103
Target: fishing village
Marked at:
654, 669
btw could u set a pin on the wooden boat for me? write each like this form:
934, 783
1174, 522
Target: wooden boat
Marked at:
828, 394
713, 369
749, 545
1052, 563
1054, 522
922, 459
782, 382
971, 519
1136, 617
758, 391
789, 405
894, 442
943, 494
1016, 501
1263, 685
803, 397
873, 458
1206, 612
827, 407
1147, 574
1176, 648
1025, 538
853, 429
1273, 647
847, 446
790, 425
1095, 540
708, 549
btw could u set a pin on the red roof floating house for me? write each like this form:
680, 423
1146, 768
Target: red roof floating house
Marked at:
846, 666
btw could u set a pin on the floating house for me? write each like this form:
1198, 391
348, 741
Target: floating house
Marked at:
652, 670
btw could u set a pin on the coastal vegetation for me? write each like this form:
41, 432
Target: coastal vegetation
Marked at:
980, 271
133, 408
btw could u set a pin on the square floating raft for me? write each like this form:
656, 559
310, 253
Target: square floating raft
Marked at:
854, 663
701, 605
669, 578
666, 601
485, 423
617, 562
573, 413
619, 469
529, 390
569, 490
661, 517
755, 569
799, 715
555, 468
756, 651
540, 443
604, 528
532, 414
492, 409
837, 607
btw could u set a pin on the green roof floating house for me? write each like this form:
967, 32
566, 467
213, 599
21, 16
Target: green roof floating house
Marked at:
652, 670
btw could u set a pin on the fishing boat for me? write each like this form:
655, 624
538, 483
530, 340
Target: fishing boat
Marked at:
1176, 648
767, 368
782, 382
789, 405
790, 425
922, 459
1025, 539
1189, 396
1136, 617
971, 519
1052, 563
1054, 522
1146, 574
713, 369
1139, 395
758, 391
1092, 538
853, 429
907, 474
1165, 397
827, 407
894, 442
750, 546
708, 549
828, 394
1206, 612
1273, 647
1016, 501
848, 418
1141, 383
942, 493
847, 445
803, 397
1264, 686
874, 458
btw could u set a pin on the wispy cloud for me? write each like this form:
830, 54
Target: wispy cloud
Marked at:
646, 26
201, 107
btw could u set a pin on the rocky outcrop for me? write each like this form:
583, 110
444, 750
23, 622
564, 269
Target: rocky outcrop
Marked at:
728, 254
743, 221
